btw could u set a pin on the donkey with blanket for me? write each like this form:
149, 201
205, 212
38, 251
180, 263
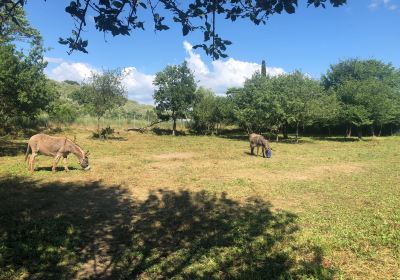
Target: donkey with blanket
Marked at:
56, 147
257, 140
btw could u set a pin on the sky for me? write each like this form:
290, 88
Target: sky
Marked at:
310, 40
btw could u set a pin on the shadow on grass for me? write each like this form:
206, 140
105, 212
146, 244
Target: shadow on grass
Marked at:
337, 139
11, 148
245, 137
163, 131
77, 230
58, 168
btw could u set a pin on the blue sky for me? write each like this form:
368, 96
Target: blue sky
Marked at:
309, 40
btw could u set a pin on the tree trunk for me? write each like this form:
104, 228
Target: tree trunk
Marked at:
380, 131
277, 136
348, 131
98, 126
297, 132
174, 127
359, 133
372, 131
284, 130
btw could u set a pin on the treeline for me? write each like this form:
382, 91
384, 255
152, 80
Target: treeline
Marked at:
354, 94
353, 97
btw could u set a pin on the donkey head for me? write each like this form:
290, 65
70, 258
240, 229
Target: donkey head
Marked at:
85, 161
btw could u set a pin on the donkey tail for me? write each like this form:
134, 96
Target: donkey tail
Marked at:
27, 152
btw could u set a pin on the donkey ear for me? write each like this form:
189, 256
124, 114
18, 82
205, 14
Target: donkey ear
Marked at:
87, 153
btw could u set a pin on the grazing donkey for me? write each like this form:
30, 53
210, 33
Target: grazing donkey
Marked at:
56, 147
257, 140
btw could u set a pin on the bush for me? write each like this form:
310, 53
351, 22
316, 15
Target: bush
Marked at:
105, 133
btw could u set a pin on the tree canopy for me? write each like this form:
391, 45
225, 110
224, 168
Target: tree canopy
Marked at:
368, 91
24, 91
101, 93
121, 17
14, 24
175, 92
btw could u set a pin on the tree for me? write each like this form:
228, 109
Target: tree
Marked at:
299, 99
101, 93
24, 89
204, 110
15, 26
122, 16
263, 69
327, 110
366, 89
354, 112
210, 111
175, 93
256, 107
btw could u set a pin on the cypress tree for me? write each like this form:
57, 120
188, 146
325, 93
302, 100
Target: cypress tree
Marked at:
263, 69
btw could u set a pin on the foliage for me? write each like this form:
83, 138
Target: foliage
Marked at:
272, 103
24, 90
253, 108
15, 27
359, 93
63, 111
104, 133
175, 92
122, 16
367, 90
209, 111
102, 92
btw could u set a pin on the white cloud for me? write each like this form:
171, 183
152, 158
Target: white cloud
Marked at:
388, 4
224, 73
139, 85
74, 71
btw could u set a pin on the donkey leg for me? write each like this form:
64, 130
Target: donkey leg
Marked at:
251, 150
55, 162
257, 150
65, 164
31, 162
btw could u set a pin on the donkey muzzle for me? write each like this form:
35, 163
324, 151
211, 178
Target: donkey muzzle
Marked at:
87, 168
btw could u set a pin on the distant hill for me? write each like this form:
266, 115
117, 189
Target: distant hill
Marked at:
131, 108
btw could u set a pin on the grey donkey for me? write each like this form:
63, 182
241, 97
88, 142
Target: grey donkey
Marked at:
257, 140
56, 147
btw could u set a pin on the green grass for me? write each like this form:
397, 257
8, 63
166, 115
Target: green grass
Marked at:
200, 207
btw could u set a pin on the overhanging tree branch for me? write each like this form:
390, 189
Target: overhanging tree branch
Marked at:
120, 17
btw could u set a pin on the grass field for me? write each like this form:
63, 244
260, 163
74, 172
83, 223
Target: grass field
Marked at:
199, 207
